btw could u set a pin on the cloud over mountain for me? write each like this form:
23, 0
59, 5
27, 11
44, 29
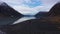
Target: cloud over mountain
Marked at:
31, 6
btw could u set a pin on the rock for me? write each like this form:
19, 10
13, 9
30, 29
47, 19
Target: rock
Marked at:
55, 10
7, 14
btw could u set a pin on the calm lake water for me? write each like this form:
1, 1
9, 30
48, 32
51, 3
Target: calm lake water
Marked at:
9, 20
23, 19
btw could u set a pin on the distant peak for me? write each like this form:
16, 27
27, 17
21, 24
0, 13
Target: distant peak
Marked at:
3, 3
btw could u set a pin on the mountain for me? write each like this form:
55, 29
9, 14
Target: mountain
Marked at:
41, 14
7, 14
6, 9
55, 10
44, 25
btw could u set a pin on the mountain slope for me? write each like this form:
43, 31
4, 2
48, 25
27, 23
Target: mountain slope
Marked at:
7, 14
55, 10
41, 14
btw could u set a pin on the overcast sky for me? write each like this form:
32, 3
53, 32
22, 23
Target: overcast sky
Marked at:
31, 6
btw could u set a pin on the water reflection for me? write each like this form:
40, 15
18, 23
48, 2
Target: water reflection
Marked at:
23, 19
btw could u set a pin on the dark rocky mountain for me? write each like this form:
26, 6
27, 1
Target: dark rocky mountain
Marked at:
55, 10
7, 14
7, 10
41, 14
44, 25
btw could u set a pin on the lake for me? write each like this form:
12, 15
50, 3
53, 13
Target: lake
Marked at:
9, 20
24, 19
